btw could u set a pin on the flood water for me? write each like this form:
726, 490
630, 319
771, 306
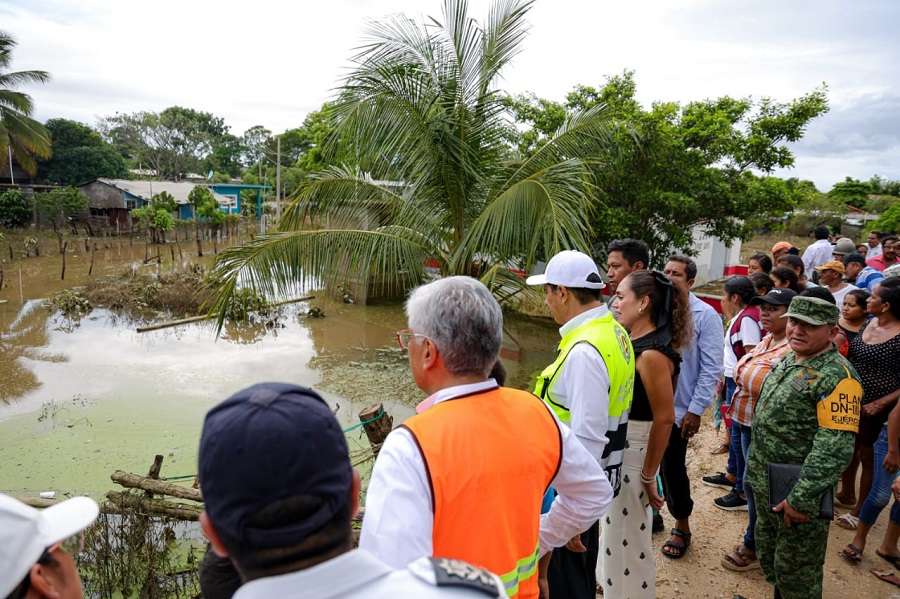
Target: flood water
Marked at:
79, 400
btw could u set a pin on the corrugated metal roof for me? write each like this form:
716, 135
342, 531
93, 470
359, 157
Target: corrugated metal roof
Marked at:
147, 189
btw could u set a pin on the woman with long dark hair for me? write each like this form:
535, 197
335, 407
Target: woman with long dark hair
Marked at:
659, 319
879, 343
875, 353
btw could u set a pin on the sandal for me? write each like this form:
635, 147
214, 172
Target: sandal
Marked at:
852, 553
886, 575
847, 521
741, 559
844, 504
722, 448
676, 550
891, 559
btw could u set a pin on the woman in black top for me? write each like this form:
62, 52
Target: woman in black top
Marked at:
875, 353
659, 319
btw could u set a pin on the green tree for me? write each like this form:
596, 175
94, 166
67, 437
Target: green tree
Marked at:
15, 210
173, 142
888, 221
60, 206
883, 186
675, 167
428, 172
157, 216
851, 192
255, 142
79, 155
21, 137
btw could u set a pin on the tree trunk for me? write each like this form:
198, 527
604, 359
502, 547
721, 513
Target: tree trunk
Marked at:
133, 481
127, 503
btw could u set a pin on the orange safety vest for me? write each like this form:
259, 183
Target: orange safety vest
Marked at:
490, 457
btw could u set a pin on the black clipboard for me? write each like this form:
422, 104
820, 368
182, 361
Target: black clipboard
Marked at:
783, 477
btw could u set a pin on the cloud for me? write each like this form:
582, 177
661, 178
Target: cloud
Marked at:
270, 62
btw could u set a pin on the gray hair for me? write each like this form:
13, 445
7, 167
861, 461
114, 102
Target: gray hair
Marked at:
462, 318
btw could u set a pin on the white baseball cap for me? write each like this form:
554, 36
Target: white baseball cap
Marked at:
570, 268
25, 533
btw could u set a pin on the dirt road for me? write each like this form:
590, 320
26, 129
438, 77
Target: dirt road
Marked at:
715, 532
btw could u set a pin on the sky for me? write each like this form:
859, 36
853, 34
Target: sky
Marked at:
270, 62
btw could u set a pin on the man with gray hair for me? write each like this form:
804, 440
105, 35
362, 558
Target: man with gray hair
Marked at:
462, 478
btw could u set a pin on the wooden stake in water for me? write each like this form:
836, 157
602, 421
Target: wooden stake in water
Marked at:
21, 292
62, 277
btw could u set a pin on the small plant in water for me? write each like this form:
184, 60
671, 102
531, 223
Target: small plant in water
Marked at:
127, 555
70, 303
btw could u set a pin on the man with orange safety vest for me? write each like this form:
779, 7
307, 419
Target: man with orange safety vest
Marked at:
465, 477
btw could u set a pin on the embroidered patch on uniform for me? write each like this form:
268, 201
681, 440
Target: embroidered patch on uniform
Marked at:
624, 345
457, 573
840, 410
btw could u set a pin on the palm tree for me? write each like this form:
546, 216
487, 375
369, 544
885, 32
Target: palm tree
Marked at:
430, 174
21, 137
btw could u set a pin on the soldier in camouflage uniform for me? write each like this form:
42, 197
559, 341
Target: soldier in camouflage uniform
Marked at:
808, 414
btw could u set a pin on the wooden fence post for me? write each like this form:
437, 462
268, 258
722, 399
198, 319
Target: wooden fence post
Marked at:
377, 430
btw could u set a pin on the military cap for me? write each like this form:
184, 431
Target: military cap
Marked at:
812, 310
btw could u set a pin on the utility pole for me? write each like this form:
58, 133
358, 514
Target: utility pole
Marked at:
278, 179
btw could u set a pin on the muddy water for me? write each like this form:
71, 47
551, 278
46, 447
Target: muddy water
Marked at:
82, 399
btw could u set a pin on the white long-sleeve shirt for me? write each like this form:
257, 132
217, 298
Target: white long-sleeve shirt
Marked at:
582, 385
399, 521
815, 255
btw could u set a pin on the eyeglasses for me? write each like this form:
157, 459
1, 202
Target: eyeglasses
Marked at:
71, 545
405, 336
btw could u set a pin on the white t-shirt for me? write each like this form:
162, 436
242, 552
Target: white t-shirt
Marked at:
749, 334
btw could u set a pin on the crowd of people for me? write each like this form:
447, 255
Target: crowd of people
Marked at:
489, 490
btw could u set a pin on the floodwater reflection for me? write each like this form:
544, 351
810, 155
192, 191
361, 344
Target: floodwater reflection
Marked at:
81, 402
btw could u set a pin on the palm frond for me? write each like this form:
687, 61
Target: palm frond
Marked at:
548, 212
286, 264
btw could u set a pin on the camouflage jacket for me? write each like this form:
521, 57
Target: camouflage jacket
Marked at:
807, 413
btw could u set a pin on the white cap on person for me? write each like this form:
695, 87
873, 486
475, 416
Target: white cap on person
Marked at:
25, 533
570, 268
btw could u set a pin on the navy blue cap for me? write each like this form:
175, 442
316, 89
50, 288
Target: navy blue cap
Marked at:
267, 443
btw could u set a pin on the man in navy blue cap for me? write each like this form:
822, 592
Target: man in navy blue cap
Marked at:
279, 494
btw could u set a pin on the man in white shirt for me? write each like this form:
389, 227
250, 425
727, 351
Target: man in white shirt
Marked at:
819, 252
455, 480
279, 493
589, 387
874, 242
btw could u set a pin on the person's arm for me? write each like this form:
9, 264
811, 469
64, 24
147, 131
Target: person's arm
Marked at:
399, 522
583, 494
585, 381
656, 370
751, 334
710, 355
892, 459
881, 404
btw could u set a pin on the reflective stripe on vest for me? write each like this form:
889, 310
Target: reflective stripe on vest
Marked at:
488, 479
524, 570
613, 344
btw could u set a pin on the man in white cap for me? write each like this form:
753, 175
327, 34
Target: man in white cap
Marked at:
38, 548
589, 387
